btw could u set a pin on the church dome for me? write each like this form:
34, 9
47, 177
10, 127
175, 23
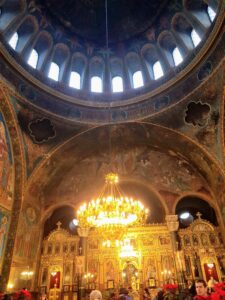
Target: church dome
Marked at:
79, 58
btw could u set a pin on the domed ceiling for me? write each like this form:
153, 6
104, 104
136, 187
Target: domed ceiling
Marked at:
86, 18
142, 36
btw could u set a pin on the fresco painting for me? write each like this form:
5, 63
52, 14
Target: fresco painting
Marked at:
4, 226
27, 235
6, 168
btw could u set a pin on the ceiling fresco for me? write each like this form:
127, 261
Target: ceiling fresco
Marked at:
160, 160
126, 18
199, 115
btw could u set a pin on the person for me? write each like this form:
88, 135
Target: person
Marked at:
43, 296
124, 292
112, 296
146, 294
211, 283
95, 295
159, 295
192, 289
133, 294
201, 290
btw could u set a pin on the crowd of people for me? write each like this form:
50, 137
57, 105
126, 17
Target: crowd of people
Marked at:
198, 290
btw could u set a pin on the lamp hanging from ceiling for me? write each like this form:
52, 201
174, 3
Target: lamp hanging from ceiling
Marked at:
112, 212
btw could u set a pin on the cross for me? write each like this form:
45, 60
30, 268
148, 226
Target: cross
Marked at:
58, 225
198, 215
106, 52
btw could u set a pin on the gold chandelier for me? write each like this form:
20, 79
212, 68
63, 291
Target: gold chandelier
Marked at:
111, 211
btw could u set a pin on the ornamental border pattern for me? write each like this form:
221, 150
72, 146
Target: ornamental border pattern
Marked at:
18, 164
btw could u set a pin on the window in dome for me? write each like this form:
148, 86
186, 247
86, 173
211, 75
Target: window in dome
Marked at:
117, 84
157, 70
54, 71
138, 79
74, 80
96, 84
195, 38
177, 57
211, 13
33, 59
14, 40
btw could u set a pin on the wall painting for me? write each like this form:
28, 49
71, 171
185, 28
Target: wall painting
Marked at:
4, 226
6, 167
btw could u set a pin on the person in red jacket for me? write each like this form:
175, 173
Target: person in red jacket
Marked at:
201, 290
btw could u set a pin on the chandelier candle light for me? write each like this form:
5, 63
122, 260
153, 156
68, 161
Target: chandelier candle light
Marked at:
112, 211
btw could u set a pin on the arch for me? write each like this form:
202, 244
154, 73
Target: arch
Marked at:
196, 203
26, 31
117, 71
150, 55
18, 161
60, 57
11, 11
42, 44
63, 213
199, 10
97, 74
140, 131
168, 44
133, 64
79, 65
183, 29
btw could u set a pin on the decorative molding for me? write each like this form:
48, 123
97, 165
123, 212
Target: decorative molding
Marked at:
18, 163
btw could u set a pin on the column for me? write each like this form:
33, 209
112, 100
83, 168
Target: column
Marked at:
83, 233
173, 225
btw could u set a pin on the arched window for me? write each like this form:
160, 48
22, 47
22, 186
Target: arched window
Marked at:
157, 70
74, 80
177, 57
96, 84
14, 40
33, 59
117, 84
54, 71
138, 79
195, 38
211, 13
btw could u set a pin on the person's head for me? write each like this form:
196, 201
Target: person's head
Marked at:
122, 297
96, 295
201, 287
